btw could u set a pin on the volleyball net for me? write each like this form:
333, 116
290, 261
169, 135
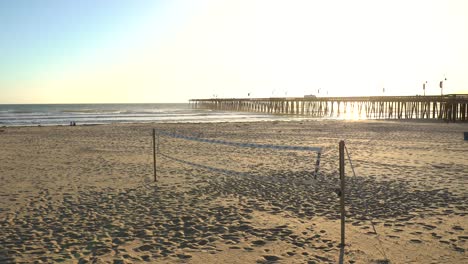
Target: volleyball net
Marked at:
212, 152
219, 155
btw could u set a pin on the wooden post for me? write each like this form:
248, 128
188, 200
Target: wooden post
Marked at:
317, 164
342, 196
154, 154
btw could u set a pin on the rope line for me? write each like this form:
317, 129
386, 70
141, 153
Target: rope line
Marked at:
350, 162
213, 169
382, 250
237, 144
360, 193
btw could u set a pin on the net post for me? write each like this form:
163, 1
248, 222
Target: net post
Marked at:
317, 164
342, 189
154, 154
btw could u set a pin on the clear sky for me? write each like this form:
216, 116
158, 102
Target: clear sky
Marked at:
135, 51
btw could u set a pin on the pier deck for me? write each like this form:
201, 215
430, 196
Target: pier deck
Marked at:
453, 107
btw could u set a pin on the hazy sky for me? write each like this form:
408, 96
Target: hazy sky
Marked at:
88, 51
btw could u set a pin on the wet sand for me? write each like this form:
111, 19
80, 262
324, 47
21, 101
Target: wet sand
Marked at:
86, 194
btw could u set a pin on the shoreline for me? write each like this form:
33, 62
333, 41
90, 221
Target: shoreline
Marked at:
299, 119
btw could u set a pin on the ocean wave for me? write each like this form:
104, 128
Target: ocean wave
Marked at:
17, 112
30, 115
87, 111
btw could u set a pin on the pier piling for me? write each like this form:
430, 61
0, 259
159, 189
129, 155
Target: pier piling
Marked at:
452, 107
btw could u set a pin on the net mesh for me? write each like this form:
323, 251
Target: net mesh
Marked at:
236, 158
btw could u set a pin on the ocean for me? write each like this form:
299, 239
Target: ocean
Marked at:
86, 114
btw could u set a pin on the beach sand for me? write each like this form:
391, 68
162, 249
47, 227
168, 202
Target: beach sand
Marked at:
86, 194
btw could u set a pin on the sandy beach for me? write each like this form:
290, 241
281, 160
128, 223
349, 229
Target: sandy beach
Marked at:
85, 194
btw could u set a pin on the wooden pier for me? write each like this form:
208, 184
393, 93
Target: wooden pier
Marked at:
452, 107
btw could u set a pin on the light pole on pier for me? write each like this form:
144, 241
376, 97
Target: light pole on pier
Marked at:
441, 85
424, 88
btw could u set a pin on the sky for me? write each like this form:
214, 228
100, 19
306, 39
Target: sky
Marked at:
154, 51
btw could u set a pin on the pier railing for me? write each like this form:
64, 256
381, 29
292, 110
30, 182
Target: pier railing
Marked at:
453, 107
